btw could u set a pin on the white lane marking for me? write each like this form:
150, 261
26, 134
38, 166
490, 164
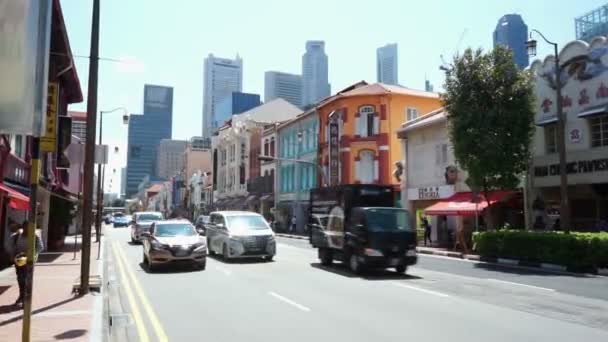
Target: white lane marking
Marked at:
223, 270
435, 293
449, 258
520, 284
288, 301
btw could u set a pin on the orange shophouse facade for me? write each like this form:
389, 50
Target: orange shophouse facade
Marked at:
363, 147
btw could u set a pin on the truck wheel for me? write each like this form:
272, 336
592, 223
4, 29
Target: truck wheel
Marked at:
401, 269
325, 256
354, 264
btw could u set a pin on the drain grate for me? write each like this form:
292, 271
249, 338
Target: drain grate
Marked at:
120, 320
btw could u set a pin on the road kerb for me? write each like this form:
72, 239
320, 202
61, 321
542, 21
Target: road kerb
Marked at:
139, 323
156, 325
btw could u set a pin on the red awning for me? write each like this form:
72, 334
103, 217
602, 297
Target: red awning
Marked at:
460, 204
17, 200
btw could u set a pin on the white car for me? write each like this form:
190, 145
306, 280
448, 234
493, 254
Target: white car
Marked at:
240, 234
141, 223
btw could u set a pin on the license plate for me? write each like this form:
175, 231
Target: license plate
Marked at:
181, 252
393, 262
411, 253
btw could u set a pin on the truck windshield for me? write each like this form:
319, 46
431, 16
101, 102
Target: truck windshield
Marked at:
387, 219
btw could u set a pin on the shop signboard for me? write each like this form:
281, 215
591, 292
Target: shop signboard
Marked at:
430, 192
334, 150
25, 30
48, 141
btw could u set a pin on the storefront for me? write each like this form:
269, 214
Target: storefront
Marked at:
585, 107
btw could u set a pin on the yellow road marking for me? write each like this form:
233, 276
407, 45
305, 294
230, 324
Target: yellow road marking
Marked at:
139, 323
158, 328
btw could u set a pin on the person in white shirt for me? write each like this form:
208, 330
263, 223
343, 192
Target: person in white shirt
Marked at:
19, 249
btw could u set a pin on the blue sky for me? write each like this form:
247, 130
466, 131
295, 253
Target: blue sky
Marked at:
165, 42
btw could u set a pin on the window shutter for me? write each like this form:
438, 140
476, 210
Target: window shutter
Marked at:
357, 170
357, 124
376, 124
376, 178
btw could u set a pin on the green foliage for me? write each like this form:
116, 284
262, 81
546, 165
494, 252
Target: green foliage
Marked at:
490, 103
577, 251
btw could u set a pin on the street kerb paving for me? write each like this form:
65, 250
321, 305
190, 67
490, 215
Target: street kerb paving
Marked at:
58, 314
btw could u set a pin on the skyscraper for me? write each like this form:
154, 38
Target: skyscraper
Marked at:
235, 103
221, 77
387, 70
315, 84
170, 159
592, 24
145, 133
123, 182
286, 86
511, 31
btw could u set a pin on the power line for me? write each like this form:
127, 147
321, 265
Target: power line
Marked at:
88, 57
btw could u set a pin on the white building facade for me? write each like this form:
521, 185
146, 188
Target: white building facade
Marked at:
222, 76
283, 85
387, 70
315, 77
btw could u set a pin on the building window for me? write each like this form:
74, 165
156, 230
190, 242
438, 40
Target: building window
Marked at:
18, 147
266, 147
441, 154
411, 113
367, 121
366, 166
272, 146
551, 138
599, 131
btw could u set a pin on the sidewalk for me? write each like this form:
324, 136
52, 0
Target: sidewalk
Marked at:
57, 314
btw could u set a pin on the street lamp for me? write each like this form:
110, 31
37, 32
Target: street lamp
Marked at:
100, 176
561, 135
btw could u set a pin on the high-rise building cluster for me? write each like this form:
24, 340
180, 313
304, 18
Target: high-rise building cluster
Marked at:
512, 31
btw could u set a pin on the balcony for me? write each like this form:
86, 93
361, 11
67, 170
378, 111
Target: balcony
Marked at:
17, 170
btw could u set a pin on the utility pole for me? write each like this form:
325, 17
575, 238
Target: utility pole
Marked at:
99, 186
89, 160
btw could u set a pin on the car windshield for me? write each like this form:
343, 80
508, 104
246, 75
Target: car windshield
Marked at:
149, 217
387, 219
246, 222
168, 230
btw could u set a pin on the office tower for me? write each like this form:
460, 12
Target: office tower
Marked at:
145, 133
170, 159
123, 182
235, 103
592, 24
315, 83
428, 86
286, 86
511, 31
387, 70
222, 77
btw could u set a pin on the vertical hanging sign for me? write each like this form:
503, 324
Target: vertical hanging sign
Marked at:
48, 141
334, 149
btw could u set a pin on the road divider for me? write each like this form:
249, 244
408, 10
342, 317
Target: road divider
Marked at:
289, 301
419, 289
139, 323
156, 325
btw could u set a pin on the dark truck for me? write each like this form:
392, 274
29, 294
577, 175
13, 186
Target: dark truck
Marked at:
358, 225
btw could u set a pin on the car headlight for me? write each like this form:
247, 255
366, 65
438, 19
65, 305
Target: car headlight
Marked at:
199, 247
156, 245
372, 252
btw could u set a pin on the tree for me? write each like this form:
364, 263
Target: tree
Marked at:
490, 105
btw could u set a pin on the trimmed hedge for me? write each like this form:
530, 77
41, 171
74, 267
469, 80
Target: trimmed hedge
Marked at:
577, 251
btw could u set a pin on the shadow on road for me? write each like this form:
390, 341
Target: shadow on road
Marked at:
171, 268
526, 271
372, 274
243, 261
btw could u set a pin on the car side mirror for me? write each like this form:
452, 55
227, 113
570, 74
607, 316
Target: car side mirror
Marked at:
200, 231
146, 235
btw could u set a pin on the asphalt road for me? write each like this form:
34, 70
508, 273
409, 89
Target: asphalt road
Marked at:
294, 298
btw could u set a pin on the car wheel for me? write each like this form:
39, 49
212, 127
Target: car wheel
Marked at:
401, 269
354, 264
325, 256
269, 258
225, 254
210, 250
133, 241
201, 265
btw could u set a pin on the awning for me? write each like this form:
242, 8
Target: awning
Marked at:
546, 120
593, 111
251, 199
17, 200
267, 197
460, 204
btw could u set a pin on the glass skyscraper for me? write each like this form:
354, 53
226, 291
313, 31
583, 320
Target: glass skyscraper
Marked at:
145, 133
511, 31
387, 70
315, 82
235, 103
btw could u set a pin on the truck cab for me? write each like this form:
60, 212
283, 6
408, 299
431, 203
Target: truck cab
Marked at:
356, 224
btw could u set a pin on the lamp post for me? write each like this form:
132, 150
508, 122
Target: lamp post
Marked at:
561, 135
100, 173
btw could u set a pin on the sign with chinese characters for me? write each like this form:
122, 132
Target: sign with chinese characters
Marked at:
334, 150
48, 141
575, 135
583, 166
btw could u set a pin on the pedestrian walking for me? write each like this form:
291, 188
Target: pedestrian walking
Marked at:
19, 253
427, 230
293, 223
